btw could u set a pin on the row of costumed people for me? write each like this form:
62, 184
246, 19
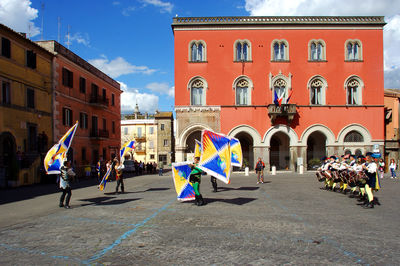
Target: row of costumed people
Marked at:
357, 174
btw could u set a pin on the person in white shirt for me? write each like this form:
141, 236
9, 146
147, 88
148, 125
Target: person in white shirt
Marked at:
392, 168
66, 176
119, 166
372, 184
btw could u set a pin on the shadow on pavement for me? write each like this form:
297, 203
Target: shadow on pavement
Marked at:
240, 188
106, 201
235, 201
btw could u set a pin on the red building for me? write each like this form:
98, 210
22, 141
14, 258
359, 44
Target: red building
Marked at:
85, 94
326, 71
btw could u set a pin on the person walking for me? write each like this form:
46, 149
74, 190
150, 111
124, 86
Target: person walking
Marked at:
160, 168
392, 168
214, 183
67, 174
381, 168
119, 176
195, 179
260, 171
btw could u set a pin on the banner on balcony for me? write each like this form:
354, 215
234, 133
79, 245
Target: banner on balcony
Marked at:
56, 156
216, 156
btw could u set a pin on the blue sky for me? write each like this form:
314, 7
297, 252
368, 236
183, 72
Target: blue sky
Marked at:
132, 40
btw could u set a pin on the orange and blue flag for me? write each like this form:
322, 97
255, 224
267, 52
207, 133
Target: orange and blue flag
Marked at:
216, 156
103, 182
183, 187
236, 152
56, 156
197, 148
126, 147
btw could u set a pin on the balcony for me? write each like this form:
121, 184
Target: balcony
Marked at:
98, 100
285, 110
140, 152
140, 138
99, 134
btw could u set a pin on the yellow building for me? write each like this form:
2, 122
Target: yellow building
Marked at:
25, 108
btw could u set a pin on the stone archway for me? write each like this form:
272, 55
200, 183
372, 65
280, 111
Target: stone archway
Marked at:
247, 144
280, 151
316, 147
190, 141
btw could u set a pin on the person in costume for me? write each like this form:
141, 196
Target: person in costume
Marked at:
370, 168
214, 183
195, 179
119, 176
67, 174
260, 171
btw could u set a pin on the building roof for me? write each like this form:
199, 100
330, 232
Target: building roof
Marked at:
57, 48
392, 92
160, 115
281, 20
22, 37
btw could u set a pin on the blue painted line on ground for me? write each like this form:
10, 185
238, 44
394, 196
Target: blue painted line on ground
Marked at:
126, 235
37, 252
331, 242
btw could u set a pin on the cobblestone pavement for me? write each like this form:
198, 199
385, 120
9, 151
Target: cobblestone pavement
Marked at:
287, 220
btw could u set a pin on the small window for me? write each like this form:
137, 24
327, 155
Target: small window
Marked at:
280, 50
151, 144
30, 59
83, 120
151, 130
162, 127
242, 51
30, 98
139, 132
104, 124
104, 94
165, 142
152, 157
83, 154
197, 51
112, 99
242, 92
82, 85
113, 127
197, 92
67, 78
317, 87
6, 93
353, 50
126, 131
353, 136
353, 91
5, 47
67, 117
317, 50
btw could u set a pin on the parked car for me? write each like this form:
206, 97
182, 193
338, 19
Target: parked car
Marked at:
129, 166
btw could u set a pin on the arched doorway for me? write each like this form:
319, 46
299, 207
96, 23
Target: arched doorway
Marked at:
190, 143
246, 142
8, 160
279, 151
316, 148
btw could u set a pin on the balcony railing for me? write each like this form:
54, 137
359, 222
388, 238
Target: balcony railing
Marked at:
99, 133
98, 100
284, 110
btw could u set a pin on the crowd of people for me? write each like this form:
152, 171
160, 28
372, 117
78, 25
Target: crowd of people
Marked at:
357, 175
139, 168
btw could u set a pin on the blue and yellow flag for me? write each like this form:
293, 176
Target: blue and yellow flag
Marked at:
56, 156
126, 147
216, 156
236, 152
197, 148
181, 174
103, 182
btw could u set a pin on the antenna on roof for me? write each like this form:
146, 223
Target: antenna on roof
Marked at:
42, 18
59, 29
68, 42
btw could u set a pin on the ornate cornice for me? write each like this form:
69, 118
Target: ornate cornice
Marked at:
284, 20
197, 109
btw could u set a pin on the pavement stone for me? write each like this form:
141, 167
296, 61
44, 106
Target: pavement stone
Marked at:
286, 220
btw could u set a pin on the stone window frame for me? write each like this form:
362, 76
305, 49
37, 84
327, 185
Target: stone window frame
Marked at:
324, 87
250, 88
286, 55
280, 77
360, 52
205, 88
249, 53
204, 52
323, 52
355, 79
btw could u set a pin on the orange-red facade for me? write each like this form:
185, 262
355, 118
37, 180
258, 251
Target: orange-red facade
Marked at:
85, 94
317, 127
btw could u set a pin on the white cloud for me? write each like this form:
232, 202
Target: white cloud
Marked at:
146, 102
126, 11
119, 66
388, 8
162, 88
79, 38
18, 15
165, 7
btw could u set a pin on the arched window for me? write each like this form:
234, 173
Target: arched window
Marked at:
316, 50
353, 136
280, 90
280, 85
197, 51
317, 86
197, 92
353, 50
279, 50
242, 88
242, 50
353, 91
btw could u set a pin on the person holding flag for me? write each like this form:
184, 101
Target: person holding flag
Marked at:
119, 166
195, 179
66, 175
